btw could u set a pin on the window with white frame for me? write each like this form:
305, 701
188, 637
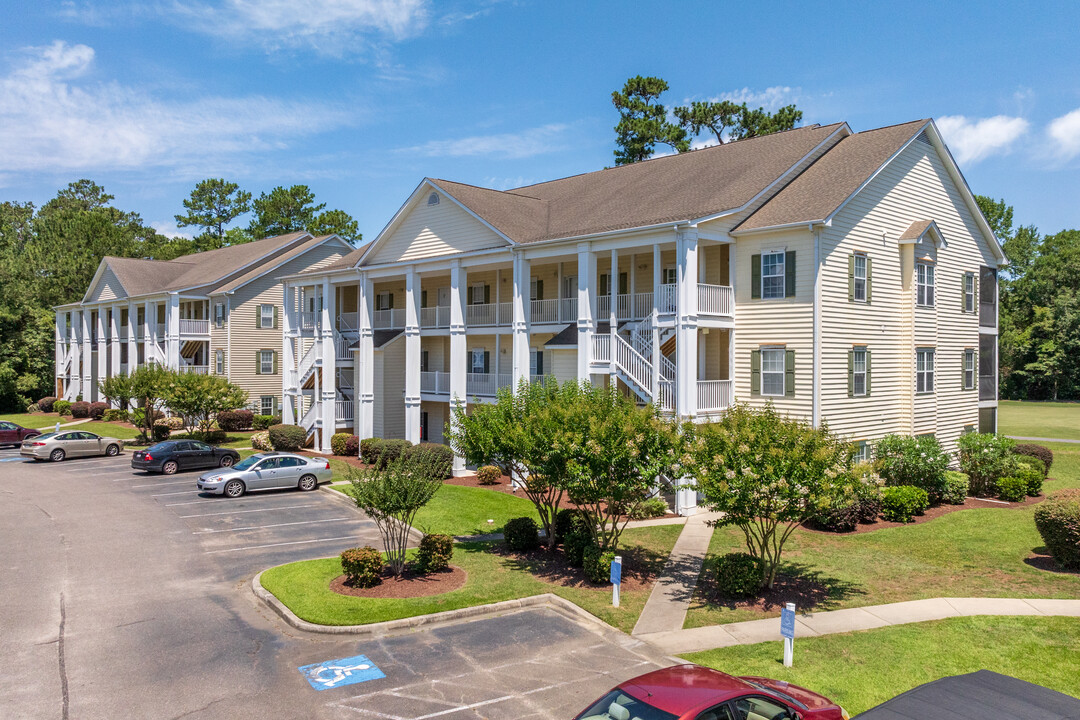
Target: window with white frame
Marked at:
862, 451
476, 360
533, 289
266, 316
772, 371
858, 371
670, 276
859, 277
219, 314
969, 292
969, 369
384, 301
772, 275
477, 293
536, 362
219, 362
924, 284
423, 361
266, 362
924, 370
266, 405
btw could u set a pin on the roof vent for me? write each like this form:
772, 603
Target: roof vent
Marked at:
433, 199
924, 138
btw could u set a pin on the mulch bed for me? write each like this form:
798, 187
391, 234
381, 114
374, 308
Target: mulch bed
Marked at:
805, 592
410, 585
551, 567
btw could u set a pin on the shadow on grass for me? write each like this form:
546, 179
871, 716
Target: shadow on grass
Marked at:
1040, 559
808, 588
640, 566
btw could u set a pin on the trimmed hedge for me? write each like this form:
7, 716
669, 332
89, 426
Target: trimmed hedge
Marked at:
235, 420
116, 415
1032, 462
564, 522
288, 438
435, 553
338, 441
1036, 451
1058, 522
650, 508
46, 404
80, 409
97, 410
902, 503
842, 517
738, 575
390, 451
352, 446
436, 454
362, 567
62, 407
1012, 488
521, 534
488, 475
597, 563
956, 488
263, 422
161, 432
370, 449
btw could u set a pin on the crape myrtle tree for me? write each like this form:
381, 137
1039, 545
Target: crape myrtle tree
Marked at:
198, 398
767, 474
117, 389
149, 388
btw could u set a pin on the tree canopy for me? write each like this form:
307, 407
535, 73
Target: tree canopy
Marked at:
213, 204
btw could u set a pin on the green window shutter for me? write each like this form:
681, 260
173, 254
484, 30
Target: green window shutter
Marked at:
975, 370
963, 292
539, 362
868, 350
755, 277
487, 361
275, 362
851, 373
258, 362
487, 296
603, 285
391, 302
755, 372
963, 369
258, 316
423, 298
789, 273
850, 280
539, 289
789, 373
275, 317
869, 278
623, 284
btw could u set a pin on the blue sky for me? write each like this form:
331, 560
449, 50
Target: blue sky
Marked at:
360, 99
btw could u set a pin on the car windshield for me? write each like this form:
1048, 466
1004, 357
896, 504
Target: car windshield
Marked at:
776, 692
247, 463
617, 704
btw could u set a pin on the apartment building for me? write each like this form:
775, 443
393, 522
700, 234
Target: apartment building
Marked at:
847, 278
216, 312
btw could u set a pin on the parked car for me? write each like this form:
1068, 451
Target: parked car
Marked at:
172, 455
692, 692
73, 443
13, 433
265, 471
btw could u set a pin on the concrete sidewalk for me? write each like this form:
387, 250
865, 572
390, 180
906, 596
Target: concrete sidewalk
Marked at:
841, 621
1042, 439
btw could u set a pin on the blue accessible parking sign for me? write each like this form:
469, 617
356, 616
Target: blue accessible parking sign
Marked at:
337, 673
787, 623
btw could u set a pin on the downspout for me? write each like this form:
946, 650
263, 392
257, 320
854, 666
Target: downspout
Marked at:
815, 412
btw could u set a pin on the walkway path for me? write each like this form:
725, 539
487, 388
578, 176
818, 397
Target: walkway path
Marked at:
665, 611
841, 621
1040, 439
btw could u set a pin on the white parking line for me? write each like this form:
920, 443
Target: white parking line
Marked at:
97, 473
295, 542
193, 502
261, 527
182, 492
175, 482
237, 512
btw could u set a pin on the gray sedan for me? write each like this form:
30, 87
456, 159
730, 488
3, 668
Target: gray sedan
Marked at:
73, 443
265, 471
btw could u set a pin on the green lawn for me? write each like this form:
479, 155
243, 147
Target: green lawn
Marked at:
304, 586
1039, 419
33, 421
106, 429
862, 669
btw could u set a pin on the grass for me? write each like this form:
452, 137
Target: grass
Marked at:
304, 586
106, 429
34, 421
1039, 419
862, 669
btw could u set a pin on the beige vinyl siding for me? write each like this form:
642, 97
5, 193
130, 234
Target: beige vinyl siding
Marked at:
563, 364
107, 288
438, 350
389, 382
433, 230
436, 412
914, 186
219, 336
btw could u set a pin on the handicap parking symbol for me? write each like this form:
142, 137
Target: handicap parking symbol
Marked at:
337, 673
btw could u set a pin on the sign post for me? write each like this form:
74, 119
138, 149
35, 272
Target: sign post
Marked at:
616, 579
787, 630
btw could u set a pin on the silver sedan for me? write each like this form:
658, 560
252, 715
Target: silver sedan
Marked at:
72, 443
266, 471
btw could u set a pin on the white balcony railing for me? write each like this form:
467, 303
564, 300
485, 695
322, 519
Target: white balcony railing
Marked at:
715, 300
544, 311
342, 347
601, 348
194, 327
568, 310
435, 382
389, 319
309, 320
485, 384
435, 317
195, 369
714, 395
666, 299
348, 321
344, 409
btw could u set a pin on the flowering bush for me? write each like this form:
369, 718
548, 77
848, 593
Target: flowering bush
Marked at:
913, 461
862, 503
261, 441
986, 458
488, 475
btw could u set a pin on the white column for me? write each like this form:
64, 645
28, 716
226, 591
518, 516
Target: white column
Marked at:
458, 348
657, 269
114, 342
102, 356
586, 304
731, 332
613, 310
172, 332
412, 355
288, 355
686, 340
149, 321
61, 352
75, 349
522, 282
132, 342
328, 374
87, 357
365, 391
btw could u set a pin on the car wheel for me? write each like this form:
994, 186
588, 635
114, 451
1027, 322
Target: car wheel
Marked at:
226, 461
170, 467
308, 482
57, 455
112, 451
234, 489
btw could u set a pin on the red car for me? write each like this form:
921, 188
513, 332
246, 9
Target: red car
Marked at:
692, 692
12, 434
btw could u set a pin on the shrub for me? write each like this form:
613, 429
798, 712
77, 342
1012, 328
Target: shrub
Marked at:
116, 415
1032, 462
352, 446
370, 449
521, 534
842, 517
956, 488
650, 508
263, 422
1012, 488
902, 502
434, 553
46, 404
1058, 522
62, 407
33, 408
337, 443
161, 432
915, 461
597, 563
362, 567
214, 437
97, 410
436, 453
488, 475
1030, 470
288, 438
576, 539
564, 522
80, 409
986, 458
173, 423
261, 441
1036, 451
391, 450
234, 420
738, 575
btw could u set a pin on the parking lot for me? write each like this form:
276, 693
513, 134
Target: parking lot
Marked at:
126, 595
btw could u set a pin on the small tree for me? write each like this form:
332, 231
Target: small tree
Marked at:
117, 389
392, 496
149, 387
768, 474
198, 398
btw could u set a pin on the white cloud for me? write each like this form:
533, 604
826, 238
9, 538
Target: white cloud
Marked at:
770, 98
511, 146
169, 228
55, 118
972, 139
1065, 134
